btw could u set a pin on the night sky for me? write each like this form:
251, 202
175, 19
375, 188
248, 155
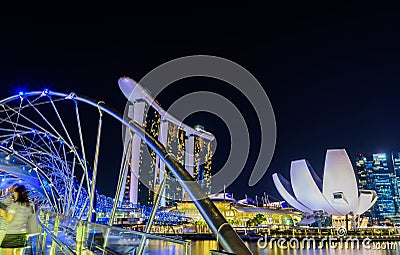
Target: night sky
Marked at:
332, 73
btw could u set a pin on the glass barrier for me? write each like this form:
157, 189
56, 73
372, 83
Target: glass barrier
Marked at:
71, 236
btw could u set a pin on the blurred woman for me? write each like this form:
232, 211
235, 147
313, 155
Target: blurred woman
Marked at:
16, 216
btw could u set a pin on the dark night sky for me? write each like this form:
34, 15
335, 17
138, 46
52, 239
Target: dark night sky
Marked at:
332, 74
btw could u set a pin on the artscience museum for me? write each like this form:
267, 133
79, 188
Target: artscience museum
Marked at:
336, 194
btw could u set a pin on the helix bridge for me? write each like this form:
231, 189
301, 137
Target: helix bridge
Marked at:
51, 142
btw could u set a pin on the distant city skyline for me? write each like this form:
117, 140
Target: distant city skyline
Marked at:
380, 172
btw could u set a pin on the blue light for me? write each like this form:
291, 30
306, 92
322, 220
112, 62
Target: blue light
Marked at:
71, 96
21, 93
45, 92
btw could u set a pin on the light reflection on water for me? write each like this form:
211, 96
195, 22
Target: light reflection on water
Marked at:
202, 247
157, 247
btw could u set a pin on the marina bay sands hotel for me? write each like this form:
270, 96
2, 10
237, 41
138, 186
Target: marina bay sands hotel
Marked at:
192, 148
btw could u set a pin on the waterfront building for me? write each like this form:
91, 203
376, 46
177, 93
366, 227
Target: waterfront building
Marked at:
239, 215
337, 194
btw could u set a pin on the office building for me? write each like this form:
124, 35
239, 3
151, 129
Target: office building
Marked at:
376, 172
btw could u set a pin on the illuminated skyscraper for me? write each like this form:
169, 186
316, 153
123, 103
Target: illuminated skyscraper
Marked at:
364, 172
148, 166
376, 173
190, 150
176, 146
139, 181
202, 161
190, 147
198, 159
129, 194
396, 167
173, 138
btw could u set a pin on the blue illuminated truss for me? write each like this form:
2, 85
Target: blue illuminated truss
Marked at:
42, 146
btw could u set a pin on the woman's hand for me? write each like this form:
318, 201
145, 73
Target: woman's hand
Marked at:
6, 216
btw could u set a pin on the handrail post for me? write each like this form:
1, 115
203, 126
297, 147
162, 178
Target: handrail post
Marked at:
55, 231
40, 237
43, 222
80, 233
46, 223
152, 216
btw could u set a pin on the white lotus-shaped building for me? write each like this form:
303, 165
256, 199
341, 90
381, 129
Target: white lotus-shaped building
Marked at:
337, 194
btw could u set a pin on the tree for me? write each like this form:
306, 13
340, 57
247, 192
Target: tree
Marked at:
259, 218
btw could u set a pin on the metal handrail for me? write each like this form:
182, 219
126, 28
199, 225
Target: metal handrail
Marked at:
98, 246
149, 235
63, 247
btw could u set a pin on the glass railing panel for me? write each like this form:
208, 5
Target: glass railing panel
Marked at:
80, 236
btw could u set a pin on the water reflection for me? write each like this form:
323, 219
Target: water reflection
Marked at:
158, 247
202, 247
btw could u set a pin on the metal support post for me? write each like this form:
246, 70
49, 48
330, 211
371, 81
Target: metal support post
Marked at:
120, 180
55, 231
152, 216
80, 237
40, 237
46, 223
94, 175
